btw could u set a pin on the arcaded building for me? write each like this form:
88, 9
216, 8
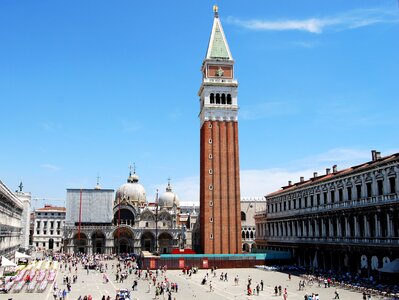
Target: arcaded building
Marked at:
249, 207
99, 221
11, 215
346, 220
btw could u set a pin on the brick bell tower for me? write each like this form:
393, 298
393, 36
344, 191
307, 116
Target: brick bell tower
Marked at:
220, 212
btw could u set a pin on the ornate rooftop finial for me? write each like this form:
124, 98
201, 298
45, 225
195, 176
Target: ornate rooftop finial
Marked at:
20, 187
169, 188
215, 10
98, 187
132, 167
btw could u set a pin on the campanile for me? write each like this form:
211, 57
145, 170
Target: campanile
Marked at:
220, 212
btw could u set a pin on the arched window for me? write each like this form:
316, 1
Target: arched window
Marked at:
252, 235
247, 235
212, 98
228, 99
243, 216
218, 98
243, 235
223, 99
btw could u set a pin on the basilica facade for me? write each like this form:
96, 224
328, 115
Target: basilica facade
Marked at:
99, 222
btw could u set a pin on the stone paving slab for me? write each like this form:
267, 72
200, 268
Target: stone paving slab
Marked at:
189, 288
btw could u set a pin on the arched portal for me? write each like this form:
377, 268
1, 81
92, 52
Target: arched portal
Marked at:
245, 248
165, 242
98, 242
123, 240
147, 242
79, 243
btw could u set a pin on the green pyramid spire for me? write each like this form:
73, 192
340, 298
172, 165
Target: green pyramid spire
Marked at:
219, 49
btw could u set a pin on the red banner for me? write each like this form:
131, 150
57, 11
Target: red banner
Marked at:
181, 263
205, 263
152, 263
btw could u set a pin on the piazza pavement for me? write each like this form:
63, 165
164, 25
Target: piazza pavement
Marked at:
189, 287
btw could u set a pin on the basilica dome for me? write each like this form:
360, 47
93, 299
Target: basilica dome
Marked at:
132, 192
168, 198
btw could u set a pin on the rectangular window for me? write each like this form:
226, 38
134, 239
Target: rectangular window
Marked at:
37, 244
349, 190
44, 232
392, 185
300, 202
289, 205
58, 224
318, 199
294, 201
380, 187
58, 244
58, 232
38, 224
45, 223
52, 224
306, 202
325, 197
311, 201
285, 205
44, 244
368, 187
340, 195
51, 232
37, 232
332, 194
359, 191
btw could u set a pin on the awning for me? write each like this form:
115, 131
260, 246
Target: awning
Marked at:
5, 262
392, 267
21, 255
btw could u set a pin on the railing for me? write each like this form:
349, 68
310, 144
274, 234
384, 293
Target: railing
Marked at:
335, 240
219, 80
6, 230
363, 202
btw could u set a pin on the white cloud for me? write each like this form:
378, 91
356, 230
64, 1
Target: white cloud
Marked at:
50, 167
348, 20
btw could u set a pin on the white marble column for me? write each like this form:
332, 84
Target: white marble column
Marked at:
366, 226
389, 224
347, 227
356, 224
377, 222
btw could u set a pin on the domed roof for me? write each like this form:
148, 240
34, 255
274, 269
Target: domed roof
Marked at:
131, 192
168, 198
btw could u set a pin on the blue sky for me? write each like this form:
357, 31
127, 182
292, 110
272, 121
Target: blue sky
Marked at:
87, 87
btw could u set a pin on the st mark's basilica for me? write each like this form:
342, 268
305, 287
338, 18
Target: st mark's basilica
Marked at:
101, 221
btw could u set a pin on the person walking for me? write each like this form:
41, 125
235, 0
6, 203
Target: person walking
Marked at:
336, 294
